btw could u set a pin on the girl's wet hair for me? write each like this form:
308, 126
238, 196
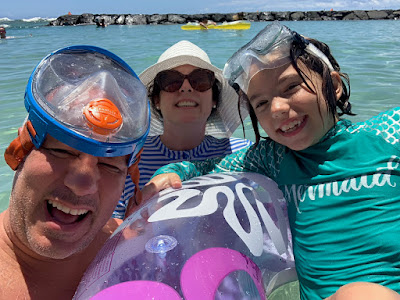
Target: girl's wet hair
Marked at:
154, 94
315, 64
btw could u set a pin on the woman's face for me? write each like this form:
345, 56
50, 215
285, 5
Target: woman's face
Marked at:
289, 112
186, 105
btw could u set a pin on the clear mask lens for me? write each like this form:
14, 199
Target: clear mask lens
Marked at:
88, 95
269, 49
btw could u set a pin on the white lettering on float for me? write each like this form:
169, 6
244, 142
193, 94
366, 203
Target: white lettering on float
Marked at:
209, 205
298, 193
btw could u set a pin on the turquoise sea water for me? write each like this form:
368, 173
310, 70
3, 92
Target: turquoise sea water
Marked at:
367, 50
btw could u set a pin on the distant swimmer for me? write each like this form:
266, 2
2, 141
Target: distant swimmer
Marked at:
205, 22
2, 33
102, 23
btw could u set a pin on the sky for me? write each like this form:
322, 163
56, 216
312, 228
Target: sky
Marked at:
18, 9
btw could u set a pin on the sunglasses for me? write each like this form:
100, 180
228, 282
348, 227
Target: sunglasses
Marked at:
200, 79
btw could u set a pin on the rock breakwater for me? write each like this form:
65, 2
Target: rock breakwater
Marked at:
155, 19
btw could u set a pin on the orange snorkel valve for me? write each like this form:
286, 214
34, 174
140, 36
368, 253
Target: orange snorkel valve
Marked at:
103, 116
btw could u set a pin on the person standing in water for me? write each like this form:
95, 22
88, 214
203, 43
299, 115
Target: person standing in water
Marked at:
3, 33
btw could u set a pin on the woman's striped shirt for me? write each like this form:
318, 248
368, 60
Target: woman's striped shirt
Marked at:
155, 155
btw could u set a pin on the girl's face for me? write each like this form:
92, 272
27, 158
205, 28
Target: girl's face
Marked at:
289, 112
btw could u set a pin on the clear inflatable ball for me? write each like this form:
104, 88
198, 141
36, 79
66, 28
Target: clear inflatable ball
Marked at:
221, 236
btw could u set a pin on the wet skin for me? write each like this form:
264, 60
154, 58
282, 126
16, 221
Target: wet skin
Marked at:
186, 105
62, 198
288, 111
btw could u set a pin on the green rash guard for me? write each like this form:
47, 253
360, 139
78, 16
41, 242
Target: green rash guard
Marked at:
343, 201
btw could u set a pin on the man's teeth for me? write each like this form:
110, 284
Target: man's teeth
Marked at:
186, 104
290, 126
67, 210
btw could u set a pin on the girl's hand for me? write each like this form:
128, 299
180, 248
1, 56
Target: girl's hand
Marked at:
154, 186
159, 183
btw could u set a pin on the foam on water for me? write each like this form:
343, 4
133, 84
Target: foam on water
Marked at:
38, 19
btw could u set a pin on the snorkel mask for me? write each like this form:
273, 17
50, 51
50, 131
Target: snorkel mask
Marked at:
269, 49
87, 98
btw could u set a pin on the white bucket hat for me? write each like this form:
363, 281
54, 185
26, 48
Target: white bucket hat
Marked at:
222, 122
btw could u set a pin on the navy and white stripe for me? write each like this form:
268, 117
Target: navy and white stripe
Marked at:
155, 155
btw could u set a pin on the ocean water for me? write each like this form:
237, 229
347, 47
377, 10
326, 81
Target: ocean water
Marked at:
367, 50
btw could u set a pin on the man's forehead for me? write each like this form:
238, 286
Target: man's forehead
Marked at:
53, 141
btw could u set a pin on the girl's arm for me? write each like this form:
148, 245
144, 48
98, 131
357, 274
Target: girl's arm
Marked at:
251, 159
235, 162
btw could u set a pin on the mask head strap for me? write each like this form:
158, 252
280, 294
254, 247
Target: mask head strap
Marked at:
134, 172
21, 146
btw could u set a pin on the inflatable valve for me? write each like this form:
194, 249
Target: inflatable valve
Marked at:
161, 245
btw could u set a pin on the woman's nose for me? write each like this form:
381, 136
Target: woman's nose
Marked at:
83, 175
279, 107
186, 86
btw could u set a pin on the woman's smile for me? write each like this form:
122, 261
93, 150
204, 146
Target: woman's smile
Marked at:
187, 103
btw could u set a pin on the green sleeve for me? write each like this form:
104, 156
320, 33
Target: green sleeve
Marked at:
252, 159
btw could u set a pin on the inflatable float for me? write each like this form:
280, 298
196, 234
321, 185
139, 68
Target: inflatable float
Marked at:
222, 236
235, 25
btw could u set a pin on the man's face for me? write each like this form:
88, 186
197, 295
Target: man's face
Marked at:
62, 198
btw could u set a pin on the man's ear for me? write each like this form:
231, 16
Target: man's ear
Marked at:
337, 84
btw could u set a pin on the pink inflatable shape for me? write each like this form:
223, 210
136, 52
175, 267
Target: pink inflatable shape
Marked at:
139, 290
200, 282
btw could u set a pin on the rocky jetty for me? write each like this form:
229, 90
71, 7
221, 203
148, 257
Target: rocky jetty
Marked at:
155, 19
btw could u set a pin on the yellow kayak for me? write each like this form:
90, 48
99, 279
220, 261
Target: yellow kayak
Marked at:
235, 25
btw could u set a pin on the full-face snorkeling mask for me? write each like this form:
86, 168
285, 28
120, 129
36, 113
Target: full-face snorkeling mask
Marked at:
87, 98
269, 49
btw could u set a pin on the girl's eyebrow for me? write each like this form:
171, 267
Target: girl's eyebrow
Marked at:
281, 80
288, 77
255, 96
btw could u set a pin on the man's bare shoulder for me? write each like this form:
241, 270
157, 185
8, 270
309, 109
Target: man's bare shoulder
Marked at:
13, 285
29, 278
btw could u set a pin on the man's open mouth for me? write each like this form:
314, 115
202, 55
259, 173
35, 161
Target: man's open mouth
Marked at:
64, 214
